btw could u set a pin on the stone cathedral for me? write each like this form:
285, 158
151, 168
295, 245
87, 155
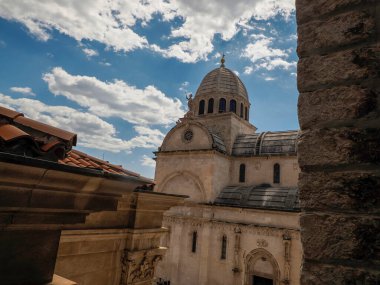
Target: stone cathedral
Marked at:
240, 224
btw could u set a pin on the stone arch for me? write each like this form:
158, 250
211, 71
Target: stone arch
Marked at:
262, 263
184, 183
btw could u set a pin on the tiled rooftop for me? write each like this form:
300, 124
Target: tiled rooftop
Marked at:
27, 137
80, 159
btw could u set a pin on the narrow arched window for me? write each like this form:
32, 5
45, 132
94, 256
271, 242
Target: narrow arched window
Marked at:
276, 173
246, 113
241, 110
194, 242
222, 105
201, 107
210, 108
223, 248
242, 173
233, 106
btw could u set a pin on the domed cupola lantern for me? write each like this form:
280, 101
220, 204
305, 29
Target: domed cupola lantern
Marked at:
221, 91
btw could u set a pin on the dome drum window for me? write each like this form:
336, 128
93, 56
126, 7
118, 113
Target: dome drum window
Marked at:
222, 105
210, 108
233, 106
201, 107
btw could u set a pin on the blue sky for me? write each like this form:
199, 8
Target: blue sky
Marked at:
117, 72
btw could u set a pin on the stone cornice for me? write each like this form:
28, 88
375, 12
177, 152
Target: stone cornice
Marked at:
263, 230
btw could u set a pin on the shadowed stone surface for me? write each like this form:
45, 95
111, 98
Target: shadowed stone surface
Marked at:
339, 148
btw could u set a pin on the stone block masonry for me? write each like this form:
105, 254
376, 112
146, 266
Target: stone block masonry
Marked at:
339, 148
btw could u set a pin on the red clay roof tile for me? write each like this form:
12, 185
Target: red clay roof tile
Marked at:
50, 145
10, 114
59, 133
9, 132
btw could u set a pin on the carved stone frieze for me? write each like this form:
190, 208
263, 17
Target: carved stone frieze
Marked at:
262, 243
138, 267
260, 230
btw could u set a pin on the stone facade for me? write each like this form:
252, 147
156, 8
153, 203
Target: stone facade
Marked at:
339, 83
240, 224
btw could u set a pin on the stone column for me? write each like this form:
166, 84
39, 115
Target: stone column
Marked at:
338, 108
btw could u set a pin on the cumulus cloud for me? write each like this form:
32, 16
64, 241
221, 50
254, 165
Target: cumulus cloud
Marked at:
93, 132
23, 90
108, 22
112, 22
277, 63
148, 161
262, 53
248, 70
90, 52
115, 99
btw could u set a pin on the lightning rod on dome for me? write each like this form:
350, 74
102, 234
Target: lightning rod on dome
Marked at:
222, 61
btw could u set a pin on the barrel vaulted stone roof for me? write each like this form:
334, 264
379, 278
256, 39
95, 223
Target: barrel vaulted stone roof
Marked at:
260, 197
266, 143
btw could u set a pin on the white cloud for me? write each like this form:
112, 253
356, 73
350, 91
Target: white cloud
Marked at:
262, 53
236, 72
248, 70
23, 90
184, 87
277, 63
115, 99
90, 52
269, 78
112, 22
261, 49
148, 161
108, 22
104, 63
202, 20
93, 132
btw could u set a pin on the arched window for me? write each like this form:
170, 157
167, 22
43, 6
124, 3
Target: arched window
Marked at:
242, 173
210, 108
194, 242
233, 106
241, 110
223, 248
276, 173
222, 105
246, 113
201, 107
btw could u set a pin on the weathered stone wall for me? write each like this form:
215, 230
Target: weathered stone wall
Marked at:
257, 230
339, 149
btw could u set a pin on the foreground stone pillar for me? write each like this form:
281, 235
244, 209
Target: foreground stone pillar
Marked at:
142, 251
339, 85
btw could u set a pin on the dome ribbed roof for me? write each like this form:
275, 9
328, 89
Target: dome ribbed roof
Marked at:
222, 81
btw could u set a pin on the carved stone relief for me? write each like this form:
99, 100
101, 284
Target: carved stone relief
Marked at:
262, 243
137, 269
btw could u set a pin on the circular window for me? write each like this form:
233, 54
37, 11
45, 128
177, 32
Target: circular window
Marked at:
188, 135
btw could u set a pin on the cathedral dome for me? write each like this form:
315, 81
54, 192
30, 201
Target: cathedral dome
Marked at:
221, 91
221, 81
